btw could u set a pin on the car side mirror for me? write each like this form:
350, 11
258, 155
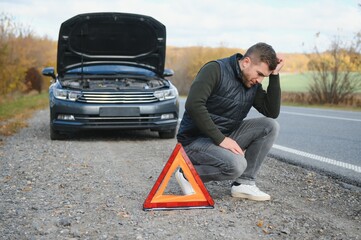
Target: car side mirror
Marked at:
49, 72
168, 72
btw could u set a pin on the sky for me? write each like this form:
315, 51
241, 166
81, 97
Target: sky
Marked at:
289, 26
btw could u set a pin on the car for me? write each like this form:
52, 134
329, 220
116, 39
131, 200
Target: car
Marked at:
111, 75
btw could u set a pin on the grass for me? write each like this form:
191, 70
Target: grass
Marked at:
15, 110
293, 82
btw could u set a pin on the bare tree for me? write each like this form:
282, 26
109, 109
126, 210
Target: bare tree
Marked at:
336, 73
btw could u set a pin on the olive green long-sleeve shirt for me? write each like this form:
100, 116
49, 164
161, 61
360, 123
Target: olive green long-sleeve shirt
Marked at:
266, 102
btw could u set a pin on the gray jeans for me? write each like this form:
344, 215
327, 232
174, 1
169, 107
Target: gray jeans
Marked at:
214, 163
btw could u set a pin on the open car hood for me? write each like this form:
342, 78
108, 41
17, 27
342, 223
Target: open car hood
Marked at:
111, 38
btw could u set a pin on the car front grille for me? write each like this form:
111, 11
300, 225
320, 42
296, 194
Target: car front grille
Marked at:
116, 97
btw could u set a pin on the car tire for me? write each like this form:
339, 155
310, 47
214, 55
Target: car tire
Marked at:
167, 134
55, 135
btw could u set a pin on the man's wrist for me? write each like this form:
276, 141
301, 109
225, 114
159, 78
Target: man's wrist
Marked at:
274, 78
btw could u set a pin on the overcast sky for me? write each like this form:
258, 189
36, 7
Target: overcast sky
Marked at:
290, 26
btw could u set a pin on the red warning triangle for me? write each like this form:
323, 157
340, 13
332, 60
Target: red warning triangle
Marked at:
157, 200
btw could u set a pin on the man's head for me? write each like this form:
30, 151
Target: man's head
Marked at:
258, 62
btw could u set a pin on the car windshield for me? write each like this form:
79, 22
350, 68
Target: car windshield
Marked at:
112, 69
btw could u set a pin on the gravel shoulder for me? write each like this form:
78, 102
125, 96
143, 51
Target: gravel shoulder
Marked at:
93, 187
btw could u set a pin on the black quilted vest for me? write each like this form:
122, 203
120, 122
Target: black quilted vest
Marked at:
228, 104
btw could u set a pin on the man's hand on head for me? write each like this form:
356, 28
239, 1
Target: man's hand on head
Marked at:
280, 64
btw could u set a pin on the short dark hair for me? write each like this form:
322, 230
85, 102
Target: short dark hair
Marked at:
262, 52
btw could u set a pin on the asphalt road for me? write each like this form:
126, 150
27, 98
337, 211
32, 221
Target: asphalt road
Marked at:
325, 140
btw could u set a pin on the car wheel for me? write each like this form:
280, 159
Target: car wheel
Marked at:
167, 134
55, 135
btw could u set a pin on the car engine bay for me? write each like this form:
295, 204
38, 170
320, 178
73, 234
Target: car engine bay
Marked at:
116, 83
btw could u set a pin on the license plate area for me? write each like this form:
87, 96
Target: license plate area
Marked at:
119, 112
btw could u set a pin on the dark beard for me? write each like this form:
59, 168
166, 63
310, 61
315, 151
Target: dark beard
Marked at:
244, 81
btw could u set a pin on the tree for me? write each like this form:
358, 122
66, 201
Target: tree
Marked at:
33, 80
336, 72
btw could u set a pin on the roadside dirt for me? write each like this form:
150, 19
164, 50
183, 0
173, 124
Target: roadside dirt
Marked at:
93, 187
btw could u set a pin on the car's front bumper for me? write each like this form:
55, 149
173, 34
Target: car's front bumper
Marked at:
83, 116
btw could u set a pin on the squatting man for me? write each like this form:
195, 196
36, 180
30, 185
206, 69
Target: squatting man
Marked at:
220, 143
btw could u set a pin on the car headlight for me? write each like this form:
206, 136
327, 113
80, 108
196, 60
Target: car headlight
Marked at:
66, 94
166, 94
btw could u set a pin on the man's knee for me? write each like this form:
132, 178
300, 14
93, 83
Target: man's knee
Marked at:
272, 126
238, 166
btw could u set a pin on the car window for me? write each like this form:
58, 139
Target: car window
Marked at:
112, 69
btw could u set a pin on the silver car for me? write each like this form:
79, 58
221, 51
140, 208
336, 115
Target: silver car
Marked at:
111, 75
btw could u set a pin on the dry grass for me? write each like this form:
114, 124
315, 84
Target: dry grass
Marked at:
304, 99
13, 125
15, 110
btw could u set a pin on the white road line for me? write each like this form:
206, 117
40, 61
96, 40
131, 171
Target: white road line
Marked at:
319, 158
321, 116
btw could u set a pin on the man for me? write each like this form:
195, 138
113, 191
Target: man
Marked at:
217, 139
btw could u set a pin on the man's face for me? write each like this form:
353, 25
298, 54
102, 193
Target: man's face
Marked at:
253, 73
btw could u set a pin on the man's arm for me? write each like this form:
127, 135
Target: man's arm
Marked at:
206, 80
269, 103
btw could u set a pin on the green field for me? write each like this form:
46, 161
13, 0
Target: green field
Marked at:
20, 105
293, 82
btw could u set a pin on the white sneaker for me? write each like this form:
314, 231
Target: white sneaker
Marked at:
251, 192
186, 187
